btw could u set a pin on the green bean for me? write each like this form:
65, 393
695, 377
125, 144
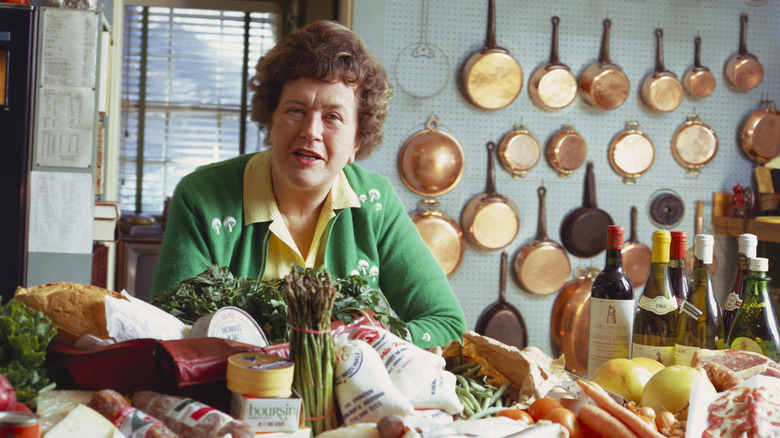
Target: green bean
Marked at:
486, 413
500, 391
463, 367
472, 371
477, 386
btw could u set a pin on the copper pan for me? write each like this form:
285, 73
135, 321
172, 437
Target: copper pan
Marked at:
542, 267
661, 90
694, 144
491, 78
631, 153
698, 80
698, 228
603, 84
518, 152
490, 221
501, 320
760, 134
570, 321
431, 162
442, 234
743, 70
636, 256
552, 86
566, 151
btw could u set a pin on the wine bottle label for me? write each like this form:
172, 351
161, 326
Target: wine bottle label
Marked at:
732, 302
683, 354
611, 323
746, 344
660, 305
691, 310
662, 354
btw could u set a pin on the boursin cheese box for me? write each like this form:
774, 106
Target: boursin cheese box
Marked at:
268, 414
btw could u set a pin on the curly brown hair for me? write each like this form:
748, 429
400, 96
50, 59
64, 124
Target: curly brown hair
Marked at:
328, 51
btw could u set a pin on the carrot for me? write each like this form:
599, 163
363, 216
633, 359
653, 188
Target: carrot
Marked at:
603, 422
630, 419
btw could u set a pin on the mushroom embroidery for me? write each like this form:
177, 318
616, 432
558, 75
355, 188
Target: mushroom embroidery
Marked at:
373, 195
216, 224
229, 222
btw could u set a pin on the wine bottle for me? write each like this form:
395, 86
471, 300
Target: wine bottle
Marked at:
655, 319
611, 307
755, 326
747, 250
700, 321
678, 276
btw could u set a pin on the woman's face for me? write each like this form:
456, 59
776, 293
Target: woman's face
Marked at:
313, 135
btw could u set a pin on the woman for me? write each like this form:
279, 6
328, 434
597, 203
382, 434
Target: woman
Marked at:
322, 98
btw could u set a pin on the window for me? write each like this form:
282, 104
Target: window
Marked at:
184, 95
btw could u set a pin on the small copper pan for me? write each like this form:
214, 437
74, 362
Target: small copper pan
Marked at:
518, 152
698, 80
743, 70
566, 151
631, 153
636, 256
552, 86
603, 84
760, 135
442, 234
542, 267
694, 144
431, 162
698, 228
661, 90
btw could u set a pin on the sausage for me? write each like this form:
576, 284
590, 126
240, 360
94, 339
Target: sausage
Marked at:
129, 420
190, 418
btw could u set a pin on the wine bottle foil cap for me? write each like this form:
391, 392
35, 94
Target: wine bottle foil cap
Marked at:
677, 249
747, 244
702, 244
615, 234
760, 264
661, 240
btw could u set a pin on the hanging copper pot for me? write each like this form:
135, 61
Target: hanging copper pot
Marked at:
570, 321
661, 90
743, 70
442, 234
431, 162
631, 153
566, 151
636, 256
603, 84
698, 80
760, 134
552, 86
518, 152
694, 144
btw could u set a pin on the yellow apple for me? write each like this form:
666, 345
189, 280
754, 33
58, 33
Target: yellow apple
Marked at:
651, 365
623, 377
670, 390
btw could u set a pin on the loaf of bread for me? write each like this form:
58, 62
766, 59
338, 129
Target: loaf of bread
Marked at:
76, 309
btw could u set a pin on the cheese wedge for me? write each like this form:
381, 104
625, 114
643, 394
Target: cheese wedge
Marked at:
83, 421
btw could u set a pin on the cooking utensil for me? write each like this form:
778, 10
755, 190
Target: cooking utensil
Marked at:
431, 162
760, 134
501, 320
661, 90
542, 267
518, 151
665, 208
698, 80
552, 85
490, 221
694, 144
491, 78
603, 84
566, 150
422, 58
584, 230
636, 256
631, 153
743, 70
570, 321
698, 227
442, 234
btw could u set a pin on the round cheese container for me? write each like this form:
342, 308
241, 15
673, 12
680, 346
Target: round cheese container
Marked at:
259, 375
230, 323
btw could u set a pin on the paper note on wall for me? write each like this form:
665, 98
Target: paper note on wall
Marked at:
66, 127
61, 212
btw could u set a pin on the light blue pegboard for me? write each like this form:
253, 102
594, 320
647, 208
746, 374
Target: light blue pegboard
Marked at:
458, 27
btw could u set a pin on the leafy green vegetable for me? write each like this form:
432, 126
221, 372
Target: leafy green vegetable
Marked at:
217, 287
24, 336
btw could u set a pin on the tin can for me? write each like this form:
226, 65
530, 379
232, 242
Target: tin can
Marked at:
20, 425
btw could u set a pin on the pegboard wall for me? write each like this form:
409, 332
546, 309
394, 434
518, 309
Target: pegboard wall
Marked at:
457, 28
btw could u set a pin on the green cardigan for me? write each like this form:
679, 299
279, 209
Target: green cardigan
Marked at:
206, 227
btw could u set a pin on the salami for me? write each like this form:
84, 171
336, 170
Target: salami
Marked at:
745, 412
190, 418
132, 422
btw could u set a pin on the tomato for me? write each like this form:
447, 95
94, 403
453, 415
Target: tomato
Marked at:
542, 406
567, 419
517, 414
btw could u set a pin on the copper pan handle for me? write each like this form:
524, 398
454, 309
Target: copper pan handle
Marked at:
632, 236
554, 58
659, 51
541, 225
490, 189
743, 20
605, 43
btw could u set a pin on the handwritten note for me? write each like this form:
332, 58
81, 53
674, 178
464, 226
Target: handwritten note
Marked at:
61, 212
69, 48
66, 127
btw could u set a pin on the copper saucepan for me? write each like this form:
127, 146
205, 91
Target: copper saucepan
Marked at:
518, 151
542, 267
760, 134
636, 256
661, 90
501, 320
698, 80
442, 234
603, 84
490, 221
491, 78
431, 162
694, 144
552, 86
570, 321
743, 70
566, 151
631, 153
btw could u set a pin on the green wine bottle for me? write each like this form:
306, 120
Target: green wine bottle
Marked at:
755, 326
